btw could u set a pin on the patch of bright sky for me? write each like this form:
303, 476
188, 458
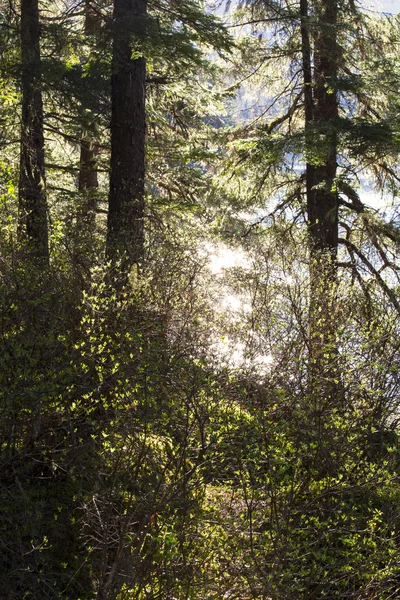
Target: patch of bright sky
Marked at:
236, 352
382, 202
222, 257
386, 6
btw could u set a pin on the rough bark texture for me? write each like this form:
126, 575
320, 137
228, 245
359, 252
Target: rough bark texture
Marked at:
321, 113
87, 165
32, 193
306, 57
322, 198
125, 235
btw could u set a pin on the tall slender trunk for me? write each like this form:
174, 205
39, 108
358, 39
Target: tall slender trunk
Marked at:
321, 112
88, 174
125, 232
32, 224
88, 179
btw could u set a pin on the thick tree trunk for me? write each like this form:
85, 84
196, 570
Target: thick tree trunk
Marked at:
322, 198
32, 193
125, 234
321, 113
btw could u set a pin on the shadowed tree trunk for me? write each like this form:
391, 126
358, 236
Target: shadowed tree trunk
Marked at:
125, 232
88, 175
87, 165
32, 193
322, 197
321, 113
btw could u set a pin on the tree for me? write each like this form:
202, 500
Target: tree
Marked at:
32, 192
88, 177
321, 111
90, 116
125, 230
320, 120
172, 36
321, 114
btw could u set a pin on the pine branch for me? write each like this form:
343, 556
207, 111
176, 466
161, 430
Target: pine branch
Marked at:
288, 115
388, 291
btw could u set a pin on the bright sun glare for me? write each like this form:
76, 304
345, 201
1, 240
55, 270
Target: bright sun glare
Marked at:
234, 307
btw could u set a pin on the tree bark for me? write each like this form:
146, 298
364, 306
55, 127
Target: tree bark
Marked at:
322, 197
88, 177
125, 231
32, 224
321, 113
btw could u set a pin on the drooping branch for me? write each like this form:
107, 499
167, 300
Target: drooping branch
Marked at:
382, 283
286, 116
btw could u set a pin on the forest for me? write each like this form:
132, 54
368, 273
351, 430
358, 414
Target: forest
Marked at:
199, 300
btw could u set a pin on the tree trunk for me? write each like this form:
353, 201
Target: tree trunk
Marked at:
87, 166
89, 148
32, 193
322, 197
321, 113
125, 232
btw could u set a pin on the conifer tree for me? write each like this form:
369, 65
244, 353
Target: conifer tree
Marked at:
323, 119
321, 116
89, 145
125, 234
32, 190
88, 179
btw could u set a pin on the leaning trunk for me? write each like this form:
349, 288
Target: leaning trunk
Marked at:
125, 232
32, 193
